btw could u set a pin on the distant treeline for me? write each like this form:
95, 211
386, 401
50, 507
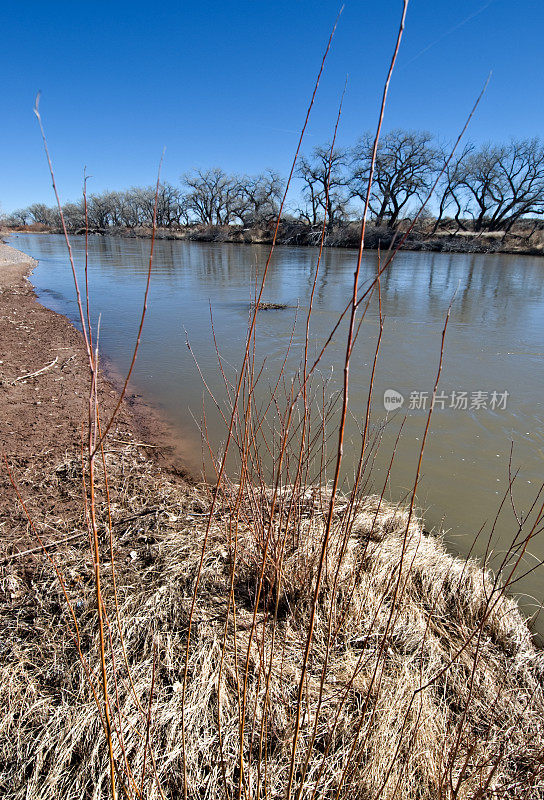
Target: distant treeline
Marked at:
481, 188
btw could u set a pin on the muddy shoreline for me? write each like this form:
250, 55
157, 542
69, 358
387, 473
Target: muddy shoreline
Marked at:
44, 383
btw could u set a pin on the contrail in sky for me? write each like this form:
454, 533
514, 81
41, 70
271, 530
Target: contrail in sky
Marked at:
447, 33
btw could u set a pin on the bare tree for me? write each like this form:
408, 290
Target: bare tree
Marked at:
449, 192
259, 197
171, 206
20, 216
74, 216
44, 215
213, 195
129, 207
405, 166
100, 210
504, 183
324, 185
140, 203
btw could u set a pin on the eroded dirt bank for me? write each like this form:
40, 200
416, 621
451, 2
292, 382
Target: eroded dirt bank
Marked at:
44, 385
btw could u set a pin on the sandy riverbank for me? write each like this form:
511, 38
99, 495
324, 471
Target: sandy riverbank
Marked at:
436, 687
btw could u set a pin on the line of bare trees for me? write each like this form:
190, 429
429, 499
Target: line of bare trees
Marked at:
208, 197
485, 188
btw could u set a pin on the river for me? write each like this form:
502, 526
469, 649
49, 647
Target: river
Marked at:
491, 386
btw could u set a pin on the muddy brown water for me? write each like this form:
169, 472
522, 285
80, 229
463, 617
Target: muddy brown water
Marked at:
491, 389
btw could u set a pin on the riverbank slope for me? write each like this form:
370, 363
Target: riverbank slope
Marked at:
521, 240
44, 382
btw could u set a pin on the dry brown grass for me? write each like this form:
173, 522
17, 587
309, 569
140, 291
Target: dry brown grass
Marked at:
391, 708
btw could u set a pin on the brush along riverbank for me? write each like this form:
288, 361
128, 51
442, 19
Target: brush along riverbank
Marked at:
520, 240
422, 680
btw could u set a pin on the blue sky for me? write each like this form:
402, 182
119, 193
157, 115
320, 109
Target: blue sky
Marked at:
227, 83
